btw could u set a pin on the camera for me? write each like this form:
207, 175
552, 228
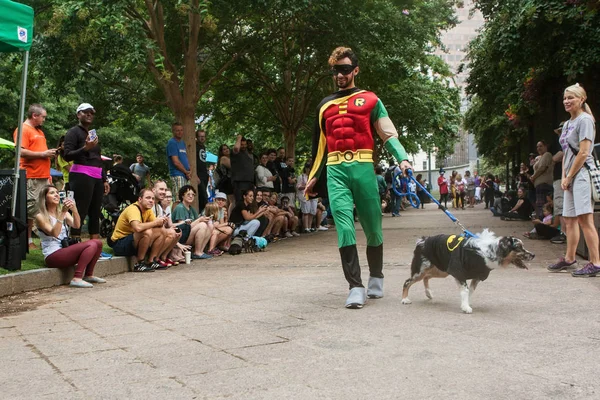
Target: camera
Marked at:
66, 242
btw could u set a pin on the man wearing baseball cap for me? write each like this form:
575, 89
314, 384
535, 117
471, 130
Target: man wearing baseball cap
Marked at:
87, 177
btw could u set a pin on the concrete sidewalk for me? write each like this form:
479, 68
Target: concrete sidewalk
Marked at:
272, 326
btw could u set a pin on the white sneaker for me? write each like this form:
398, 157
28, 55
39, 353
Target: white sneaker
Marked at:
323, 228
307, 230
288, 234
295, 233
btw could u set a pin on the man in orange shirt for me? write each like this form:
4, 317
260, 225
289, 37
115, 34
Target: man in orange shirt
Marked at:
35, 160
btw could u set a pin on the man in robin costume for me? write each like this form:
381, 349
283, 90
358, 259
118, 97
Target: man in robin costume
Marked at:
344, 144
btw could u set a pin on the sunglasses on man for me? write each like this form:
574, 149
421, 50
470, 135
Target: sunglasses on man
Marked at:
344, 69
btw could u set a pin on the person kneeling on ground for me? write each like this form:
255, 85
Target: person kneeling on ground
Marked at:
52, 221
545, 229
138, 230
195, 230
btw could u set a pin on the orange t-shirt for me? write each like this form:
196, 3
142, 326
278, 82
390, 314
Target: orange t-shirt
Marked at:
34, 140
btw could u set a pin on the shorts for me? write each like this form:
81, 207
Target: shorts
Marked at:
557, 198
34, 187
123, 247
177, 182
308, 206
471, 193
578, 200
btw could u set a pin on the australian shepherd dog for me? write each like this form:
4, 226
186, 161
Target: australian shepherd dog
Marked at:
465, 259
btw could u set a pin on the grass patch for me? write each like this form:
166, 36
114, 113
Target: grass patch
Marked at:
35, 258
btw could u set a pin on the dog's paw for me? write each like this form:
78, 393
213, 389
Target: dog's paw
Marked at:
466, 309
428, 293
406, 301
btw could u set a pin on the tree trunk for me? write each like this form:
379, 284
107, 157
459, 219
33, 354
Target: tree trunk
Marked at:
289, 138
187, 119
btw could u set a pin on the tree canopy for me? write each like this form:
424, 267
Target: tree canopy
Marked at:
526, 54
254, 67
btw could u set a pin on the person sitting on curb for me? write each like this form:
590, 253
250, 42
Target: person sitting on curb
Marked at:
291, 216
138, 230
175, 252
545, 229
521, 211
280, 228
52, 221
242, 216
222, 231
270, 222
195, 230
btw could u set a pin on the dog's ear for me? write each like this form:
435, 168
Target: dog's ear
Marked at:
505, 246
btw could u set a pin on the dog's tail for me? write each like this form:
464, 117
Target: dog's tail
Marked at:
417, 261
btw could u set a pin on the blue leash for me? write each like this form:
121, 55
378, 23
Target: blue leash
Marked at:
415, 202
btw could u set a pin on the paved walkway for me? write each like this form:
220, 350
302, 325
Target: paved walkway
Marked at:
273, 326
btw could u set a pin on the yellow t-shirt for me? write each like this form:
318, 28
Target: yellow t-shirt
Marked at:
131, 213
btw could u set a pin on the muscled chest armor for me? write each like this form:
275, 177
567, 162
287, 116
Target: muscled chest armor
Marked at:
348, 125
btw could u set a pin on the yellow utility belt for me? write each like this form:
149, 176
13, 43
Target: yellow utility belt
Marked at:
338, 157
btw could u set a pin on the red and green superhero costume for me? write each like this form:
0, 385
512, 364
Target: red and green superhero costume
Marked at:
343, 143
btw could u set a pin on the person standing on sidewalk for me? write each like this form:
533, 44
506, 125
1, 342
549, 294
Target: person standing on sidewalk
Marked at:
443, 185
343, 142
201, 169
177, 160
35, 160
558, 193
141, 172
577, 139
87, 177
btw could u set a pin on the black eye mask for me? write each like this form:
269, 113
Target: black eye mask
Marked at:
344, 69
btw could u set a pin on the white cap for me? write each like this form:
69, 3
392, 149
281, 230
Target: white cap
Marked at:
221, 195
85, 106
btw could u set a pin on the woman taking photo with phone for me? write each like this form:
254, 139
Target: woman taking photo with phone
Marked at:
52, 222
577, 140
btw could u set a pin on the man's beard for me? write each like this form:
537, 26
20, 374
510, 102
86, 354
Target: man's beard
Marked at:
344, 85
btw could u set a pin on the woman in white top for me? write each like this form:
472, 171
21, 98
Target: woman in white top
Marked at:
576, 140
52, 222
264, 177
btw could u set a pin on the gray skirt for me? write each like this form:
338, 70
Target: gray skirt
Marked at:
578, 199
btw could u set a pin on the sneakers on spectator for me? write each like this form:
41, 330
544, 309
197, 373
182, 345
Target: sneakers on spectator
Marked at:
312, 229
559, 239
94, 279
142, 267
294, 233
81, 284
323, 228
105, 256
589, 270
288, 234
160, 264
560, 265
307, 230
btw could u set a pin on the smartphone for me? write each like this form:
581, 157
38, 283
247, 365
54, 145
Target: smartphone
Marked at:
70, 194
62, 196
92, 135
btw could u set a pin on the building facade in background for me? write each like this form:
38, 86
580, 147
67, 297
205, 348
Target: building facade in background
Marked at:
456, 41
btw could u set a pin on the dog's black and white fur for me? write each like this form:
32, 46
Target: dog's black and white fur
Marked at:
464, 259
